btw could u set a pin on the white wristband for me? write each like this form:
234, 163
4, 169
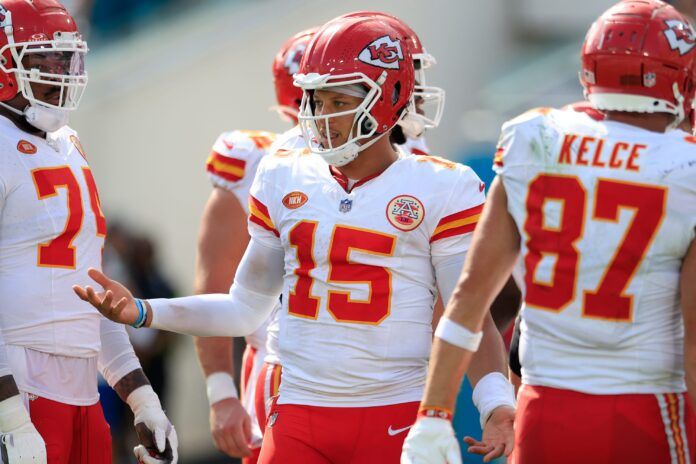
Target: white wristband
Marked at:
458, 335
491, 392
220, 386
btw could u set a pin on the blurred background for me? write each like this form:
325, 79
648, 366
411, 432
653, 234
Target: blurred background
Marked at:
167, 76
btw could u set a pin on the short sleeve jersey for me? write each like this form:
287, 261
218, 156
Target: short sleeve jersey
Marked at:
359, 288
51, 231
606, 212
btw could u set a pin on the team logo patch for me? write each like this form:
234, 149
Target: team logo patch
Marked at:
272, 420
78, 146
26, 147
680, 36
294, 200
384, 52
405, 212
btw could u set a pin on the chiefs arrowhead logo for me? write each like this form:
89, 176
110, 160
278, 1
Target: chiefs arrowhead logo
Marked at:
680, 36
293, 58
384, 52
26, 147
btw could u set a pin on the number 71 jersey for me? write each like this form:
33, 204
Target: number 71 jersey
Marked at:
359, 286
606, 213
51, 231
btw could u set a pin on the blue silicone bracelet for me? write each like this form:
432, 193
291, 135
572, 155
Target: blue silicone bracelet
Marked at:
141, 314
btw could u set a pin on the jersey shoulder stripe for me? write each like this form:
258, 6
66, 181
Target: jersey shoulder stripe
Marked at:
230, 169
457, 224
258, 214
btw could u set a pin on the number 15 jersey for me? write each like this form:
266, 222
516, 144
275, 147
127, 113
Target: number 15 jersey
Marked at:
606, 213
359, 282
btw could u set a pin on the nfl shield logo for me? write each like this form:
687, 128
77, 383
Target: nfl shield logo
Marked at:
345, 205
649, 79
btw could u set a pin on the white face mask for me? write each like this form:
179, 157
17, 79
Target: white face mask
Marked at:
46, 119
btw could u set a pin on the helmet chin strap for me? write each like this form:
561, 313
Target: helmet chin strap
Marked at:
41, 117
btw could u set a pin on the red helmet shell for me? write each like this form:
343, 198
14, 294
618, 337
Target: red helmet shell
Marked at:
286, 63
372, 47
32, 21
640, 48
413, 41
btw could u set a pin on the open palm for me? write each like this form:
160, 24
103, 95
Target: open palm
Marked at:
115, 302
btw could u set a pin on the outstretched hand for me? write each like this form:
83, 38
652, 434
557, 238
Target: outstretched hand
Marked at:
498, 435
123, 311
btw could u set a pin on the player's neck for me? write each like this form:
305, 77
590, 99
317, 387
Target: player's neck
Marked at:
20, 121
655, 122
373, 160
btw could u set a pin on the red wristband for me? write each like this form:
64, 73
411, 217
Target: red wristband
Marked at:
440, 413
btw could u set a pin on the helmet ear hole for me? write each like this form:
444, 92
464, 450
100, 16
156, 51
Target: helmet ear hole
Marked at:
396, 93
367, 125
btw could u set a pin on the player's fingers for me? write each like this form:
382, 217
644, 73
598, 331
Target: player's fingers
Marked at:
509, 445
496, 452
482, 449
120, 306
98, 276
225, 443
108, 298
241, 442
92, 296
472, 441
80, 292
160, 438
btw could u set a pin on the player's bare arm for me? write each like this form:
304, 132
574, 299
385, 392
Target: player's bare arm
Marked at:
222, 240
488, 265
688, 304
487, 268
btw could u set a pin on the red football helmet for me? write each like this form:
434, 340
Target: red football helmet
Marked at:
428, 101
285, 65
639, 56
40, 44
364, 52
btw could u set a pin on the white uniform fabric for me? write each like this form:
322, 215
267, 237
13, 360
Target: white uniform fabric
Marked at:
426, 207
565, 348
292, 140
416, 146
52, 337
232, 166
289, 140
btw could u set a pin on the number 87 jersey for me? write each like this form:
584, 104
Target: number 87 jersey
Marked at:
606, 212
360, 271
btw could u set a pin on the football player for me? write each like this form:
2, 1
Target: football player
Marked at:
231, 168
51, 231
222, 240
357, 236
603, 214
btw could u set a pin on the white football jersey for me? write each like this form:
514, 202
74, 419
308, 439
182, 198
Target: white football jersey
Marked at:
416, 146
359, 287
606, 212
51, 231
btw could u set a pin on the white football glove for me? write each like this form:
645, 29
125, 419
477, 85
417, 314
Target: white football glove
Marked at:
148, 413
431, 441
20, 442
